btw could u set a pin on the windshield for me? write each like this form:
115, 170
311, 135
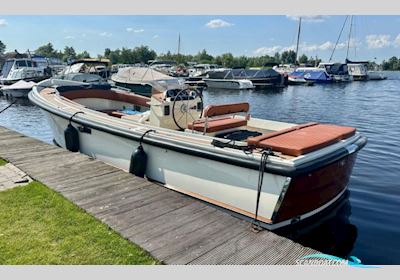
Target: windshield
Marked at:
6, 68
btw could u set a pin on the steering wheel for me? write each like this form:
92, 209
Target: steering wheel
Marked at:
187, 107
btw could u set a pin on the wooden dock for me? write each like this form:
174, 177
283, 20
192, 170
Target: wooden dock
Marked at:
174, 228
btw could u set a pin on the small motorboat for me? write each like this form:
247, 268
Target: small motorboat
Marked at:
376, 75
358, 70
309, 75
16, 69
273, 173
19, 89
338, 71
144, 81
227, 79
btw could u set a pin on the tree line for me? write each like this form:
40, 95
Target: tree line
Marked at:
143, 54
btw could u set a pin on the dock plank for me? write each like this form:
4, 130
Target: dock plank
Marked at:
173, 227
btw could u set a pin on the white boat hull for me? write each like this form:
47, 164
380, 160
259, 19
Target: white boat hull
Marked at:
16, 93
229, 84
228, 186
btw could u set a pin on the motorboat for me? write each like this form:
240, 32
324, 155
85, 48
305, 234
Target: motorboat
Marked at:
19, 89
285, 69
16, 69
265, 78
338, 71
199, 70
227, 79
144, 81
358, 70
376, 75
86, 70
272, 173
309, 75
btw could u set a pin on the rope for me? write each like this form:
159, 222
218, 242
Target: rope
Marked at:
8, 106
337, 41
255, 224
76, 113
144, 134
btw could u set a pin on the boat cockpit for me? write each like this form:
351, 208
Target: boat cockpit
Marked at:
228, 124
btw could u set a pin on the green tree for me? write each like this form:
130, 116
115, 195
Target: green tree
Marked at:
203, 57
288, 57
303, 59
143, 54
47, 50
83, 54
2, 48
69, 54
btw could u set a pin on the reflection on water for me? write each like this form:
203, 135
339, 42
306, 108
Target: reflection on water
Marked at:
26, 118
369, 229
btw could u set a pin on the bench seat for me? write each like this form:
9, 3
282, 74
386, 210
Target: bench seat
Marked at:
214, 125
302, 139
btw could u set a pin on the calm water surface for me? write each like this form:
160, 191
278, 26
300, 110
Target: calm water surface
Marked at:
367, 224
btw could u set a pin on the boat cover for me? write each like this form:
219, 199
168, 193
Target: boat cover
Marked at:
302, 139
142, 75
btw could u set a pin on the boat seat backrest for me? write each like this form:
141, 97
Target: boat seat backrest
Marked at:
107, 94
217, 118
226, 109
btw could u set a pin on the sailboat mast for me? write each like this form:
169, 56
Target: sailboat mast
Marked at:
298, 40
179, 43
348, 42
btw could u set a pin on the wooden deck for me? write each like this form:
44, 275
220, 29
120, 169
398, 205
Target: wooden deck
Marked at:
174, 228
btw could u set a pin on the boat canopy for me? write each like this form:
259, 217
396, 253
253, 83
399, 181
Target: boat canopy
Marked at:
141, 75
317, 75
243, 73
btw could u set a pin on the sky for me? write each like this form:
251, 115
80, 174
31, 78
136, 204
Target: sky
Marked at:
373, 38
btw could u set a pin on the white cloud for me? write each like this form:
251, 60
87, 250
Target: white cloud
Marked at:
309, 18
328, 45
69, 37
155, 36
303, 47
218, 23
267, 50
378, 41
3, 22
130, 29
396, 42
105, 34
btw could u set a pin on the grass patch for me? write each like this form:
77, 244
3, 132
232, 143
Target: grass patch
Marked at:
39, 226
3, 162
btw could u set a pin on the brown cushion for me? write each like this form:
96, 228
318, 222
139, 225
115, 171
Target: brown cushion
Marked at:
306, 139
217, 124
107, 94
257, 139
226, 109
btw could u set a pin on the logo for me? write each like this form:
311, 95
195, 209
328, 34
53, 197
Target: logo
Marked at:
325, 259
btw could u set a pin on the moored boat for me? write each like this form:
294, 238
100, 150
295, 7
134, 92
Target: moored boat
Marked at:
19, 89
273, 172
144, 80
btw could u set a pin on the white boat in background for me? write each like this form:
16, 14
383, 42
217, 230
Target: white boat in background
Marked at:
145, 81
199, 70
357, 70
339, 72
285, 69
229, 83
376, 75
19, 89
225, 79
86, 70
16, 69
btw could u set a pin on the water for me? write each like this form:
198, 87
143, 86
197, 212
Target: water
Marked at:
366, 224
